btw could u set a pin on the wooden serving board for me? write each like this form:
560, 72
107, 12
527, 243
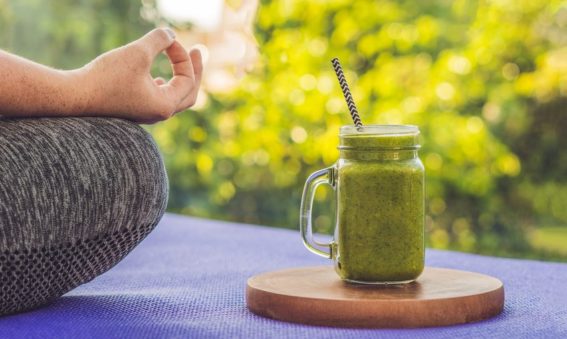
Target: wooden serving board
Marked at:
317, 296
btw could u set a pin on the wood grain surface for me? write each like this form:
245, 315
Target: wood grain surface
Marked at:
317, 296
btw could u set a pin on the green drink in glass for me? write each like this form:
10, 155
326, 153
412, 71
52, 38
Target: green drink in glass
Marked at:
379, 186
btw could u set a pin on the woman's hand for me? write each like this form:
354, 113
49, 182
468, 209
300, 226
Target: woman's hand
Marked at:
119, 84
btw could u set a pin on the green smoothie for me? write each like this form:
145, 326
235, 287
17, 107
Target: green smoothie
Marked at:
380, 192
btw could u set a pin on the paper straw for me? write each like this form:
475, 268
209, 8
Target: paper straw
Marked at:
346, 92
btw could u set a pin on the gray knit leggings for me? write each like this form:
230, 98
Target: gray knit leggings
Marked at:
76, 196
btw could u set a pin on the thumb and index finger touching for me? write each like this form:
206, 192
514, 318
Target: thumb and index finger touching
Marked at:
187, 67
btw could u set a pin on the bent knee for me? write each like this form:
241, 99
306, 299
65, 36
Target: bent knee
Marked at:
92, 175
77, 195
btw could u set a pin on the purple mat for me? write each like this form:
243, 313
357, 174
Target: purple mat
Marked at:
188, 279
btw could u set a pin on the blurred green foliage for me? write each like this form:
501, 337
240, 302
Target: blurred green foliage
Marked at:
486, 82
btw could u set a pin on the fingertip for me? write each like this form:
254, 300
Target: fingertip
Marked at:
195, 53
196, 56
166, 34
169, 32
159, 81
157, 40
197, 60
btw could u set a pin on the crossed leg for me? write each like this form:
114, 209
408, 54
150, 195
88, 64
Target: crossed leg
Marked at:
76, 196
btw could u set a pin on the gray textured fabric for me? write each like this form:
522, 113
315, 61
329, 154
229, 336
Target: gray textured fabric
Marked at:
76, 195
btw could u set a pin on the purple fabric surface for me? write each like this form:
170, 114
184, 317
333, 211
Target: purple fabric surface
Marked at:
188, 278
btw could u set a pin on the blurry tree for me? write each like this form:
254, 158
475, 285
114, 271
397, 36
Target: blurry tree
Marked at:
65, 33
486, 82
474, 75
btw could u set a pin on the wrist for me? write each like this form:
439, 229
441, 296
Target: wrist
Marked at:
75, 88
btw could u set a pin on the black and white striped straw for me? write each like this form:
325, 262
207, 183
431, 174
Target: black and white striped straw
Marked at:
346, 92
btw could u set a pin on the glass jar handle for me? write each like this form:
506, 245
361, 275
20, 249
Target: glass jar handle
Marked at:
324, 176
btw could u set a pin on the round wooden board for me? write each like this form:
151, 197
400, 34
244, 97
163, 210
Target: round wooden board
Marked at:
317, 296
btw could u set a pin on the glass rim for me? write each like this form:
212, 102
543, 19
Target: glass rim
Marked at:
379, 130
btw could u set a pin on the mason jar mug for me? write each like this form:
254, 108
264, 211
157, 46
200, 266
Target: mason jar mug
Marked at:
378, 182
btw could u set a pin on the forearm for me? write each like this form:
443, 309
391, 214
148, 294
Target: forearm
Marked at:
117, 84
30, 89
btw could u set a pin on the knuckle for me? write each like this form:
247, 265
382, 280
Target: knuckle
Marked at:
159, 116
193, 97
165, 112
